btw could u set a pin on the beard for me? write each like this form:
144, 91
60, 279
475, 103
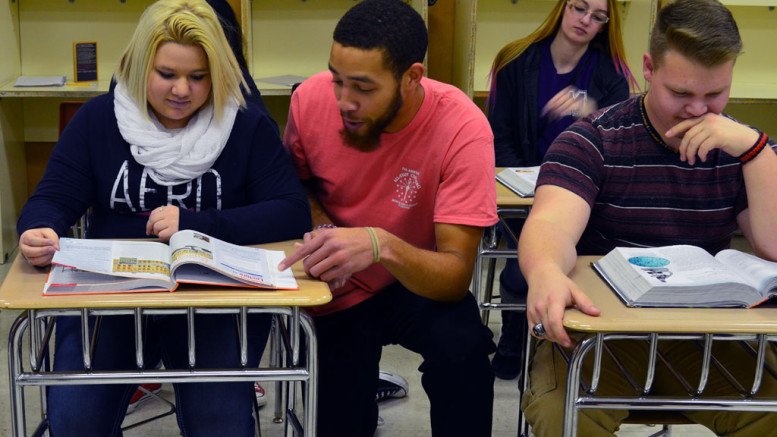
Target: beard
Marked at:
369, 140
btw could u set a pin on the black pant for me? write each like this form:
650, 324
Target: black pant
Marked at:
513, 289
449, 336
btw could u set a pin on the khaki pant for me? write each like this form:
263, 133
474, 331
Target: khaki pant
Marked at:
543, 401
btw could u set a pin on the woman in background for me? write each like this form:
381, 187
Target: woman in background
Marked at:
572, 65
174, 146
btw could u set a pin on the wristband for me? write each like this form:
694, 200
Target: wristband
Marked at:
325, 226
755, 150
375, 245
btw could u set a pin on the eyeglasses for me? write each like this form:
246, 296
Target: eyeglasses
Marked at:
582, 9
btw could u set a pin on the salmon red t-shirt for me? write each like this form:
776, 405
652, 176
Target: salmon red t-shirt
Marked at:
437, 169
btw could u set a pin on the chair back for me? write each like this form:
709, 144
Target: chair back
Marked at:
67, 110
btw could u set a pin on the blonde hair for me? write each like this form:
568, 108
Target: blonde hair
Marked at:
610, 41
185, 22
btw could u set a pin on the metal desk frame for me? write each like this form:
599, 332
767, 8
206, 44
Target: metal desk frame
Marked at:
509, 205
489, 252
290, 363
38, 326
754, 333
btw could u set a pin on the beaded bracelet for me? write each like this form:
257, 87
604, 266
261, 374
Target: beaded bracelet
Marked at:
375, 245
325, 226
755, 150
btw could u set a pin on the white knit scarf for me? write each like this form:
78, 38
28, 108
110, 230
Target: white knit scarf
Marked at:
173, 156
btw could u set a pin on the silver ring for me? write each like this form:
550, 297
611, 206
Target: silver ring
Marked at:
538, 330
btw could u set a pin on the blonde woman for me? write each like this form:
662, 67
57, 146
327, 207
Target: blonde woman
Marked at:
572, 65
174, 146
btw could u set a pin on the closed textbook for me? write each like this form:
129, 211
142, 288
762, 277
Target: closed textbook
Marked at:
34, 81
521, 180
84, 266
687, 276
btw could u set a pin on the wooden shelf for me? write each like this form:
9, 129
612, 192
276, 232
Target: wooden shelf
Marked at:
92, 90
768, 3
101, 87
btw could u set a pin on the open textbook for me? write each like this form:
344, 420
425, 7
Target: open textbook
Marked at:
521, 180
121, 266
687, 276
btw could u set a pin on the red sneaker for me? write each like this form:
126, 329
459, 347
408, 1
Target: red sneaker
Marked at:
143, 394
261, 399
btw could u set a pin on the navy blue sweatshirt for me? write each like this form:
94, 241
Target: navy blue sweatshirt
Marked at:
250, 195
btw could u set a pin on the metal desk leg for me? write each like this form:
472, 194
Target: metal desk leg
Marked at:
18, 419
573, 384
276, 360
489, 290
311, 387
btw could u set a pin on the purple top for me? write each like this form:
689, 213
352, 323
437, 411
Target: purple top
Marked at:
551, 82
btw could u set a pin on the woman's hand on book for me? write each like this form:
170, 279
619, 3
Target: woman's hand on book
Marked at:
38, 245
163, 222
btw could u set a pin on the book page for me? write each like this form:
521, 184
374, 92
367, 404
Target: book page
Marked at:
246, 264
141, 259
198, 274
119, 258
188, 246
755, 271
678, 266
92, 255
283, 279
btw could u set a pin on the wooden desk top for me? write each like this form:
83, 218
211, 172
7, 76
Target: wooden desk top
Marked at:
617, 317
505, 197
23, 287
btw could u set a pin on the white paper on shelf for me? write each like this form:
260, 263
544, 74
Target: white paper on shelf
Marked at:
283, 80
40, 81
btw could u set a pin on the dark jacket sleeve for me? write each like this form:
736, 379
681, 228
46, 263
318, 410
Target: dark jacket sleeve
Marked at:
609, 87
66, 189
513, 114
501, 115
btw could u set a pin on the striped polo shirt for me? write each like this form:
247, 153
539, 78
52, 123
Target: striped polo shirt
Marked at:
640, 193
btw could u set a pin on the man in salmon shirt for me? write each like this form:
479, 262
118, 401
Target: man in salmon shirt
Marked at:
400, 175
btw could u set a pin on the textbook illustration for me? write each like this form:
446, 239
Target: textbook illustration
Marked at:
122, 266
521, 180
687, 276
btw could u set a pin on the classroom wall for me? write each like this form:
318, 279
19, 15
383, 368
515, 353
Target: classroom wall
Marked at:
12, 167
